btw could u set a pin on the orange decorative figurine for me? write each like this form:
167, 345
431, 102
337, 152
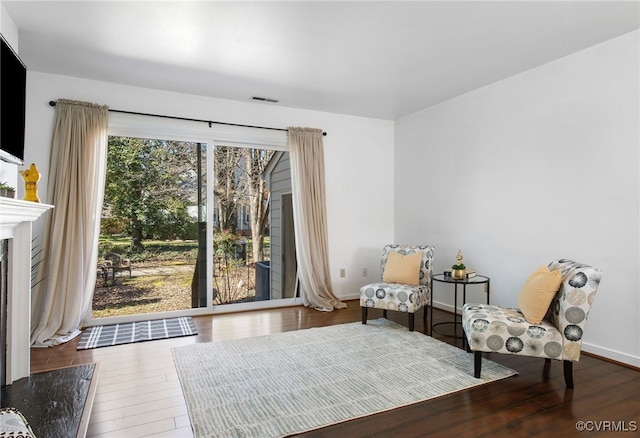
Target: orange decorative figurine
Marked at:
31, 176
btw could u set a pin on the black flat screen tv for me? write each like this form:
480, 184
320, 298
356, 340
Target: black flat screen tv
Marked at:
13, 85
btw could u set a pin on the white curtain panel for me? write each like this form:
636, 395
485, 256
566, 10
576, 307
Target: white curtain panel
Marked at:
76, 189
309, 215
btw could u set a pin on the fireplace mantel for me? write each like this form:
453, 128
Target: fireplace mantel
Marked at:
16, 218
14, 212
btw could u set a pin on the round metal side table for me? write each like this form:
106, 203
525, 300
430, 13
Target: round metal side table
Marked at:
441, 278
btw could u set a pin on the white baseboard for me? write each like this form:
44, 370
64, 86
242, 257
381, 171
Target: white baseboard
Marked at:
350, 297
446, 307
617, 356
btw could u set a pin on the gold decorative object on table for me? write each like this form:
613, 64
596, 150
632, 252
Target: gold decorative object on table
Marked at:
31, 176
458, 271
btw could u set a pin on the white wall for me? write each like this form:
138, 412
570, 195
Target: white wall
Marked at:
358, 201
539, 166
8, 28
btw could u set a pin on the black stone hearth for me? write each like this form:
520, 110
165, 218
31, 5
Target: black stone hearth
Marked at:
53, 402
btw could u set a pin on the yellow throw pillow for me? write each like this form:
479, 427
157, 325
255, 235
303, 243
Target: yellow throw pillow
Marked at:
538, 292
404, 269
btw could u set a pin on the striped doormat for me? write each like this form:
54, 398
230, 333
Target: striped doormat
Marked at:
116, 334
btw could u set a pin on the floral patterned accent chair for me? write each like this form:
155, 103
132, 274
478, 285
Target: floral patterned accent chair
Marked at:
405, 282
13, 424
557, 336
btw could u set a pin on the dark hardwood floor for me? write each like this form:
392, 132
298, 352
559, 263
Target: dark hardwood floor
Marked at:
138, 392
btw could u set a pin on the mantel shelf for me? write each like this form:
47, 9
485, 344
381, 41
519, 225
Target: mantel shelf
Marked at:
13, 212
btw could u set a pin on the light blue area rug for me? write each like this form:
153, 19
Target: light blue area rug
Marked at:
286, 383
116, 334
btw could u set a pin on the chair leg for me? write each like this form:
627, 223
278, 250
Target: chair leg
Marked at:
546, 370
384, 313
477, 363
568, 373
364, 315
412, 321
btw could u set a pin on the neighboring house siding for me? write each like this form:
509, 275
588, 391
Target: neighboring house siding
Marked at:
279, 180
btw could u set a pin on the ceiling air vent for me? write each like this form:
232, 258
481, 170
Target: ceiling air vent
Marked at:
264, 99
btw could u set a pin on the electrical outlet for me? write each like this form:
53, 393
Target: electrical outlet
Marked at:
342, 273
364, 272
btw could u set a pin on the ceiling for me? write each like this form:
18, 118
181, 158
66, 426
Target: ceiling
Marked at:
374, 59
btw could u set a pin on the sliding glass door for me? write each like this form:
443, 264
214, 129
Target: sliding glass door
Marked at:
173, 238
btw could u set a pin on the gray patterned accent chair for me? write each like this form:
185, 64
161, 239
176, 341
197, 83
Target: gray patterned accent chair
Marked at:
558, 336
396, 296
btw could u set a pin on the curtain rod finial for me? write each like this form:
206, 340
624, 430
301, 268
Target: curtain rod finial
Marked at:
52, 103
324, 134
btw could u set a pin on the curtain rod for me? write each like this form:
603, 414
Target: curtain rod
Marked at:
210, 122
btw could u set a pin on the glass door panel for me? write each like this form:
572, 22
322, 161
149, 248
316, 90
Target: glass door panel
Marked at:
151, 239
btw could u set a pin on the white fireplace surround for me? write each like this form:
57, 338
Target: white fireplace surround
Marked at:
16, 218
